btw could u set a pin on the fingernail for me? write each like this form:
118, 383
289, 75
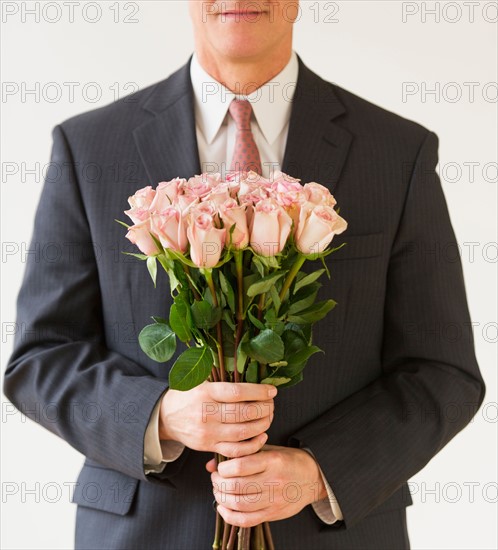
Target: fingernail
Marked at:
272, 392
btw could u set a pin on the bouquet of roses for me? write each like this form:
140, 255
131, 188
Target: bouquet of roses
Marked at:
234, 250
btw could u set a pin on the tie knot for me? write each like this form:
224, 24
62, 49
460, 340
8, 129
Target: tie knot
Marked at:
241, 110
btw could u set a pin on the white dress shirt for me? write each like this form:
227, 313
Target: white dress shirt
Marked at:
216, 132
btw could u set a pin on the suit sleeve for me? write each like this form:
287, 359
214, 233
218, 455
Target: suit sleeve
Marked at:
61, 374
372, 442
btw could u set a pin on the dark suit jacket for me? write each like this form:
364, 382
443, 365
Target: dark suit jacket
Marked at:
372, 408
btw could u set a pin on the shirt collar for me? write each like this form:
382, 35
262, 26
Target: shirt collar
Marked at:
271, 103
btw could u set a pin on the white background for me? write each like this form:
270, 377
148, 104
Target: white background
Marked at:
369, 50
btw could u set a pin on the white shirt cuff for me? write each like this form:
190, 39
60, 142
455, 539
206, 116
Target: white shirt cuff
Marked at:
327, 509
158, 453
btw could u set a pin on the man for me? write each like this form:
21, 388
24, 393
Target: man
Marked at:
367, 416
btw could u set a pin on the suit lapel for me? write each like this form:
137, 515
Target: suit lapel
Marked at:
317, 147
167, 143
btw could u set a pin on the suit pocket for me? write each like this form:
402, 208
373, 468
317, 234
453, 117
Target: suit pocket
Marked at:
358, 246
400, 499
104, 489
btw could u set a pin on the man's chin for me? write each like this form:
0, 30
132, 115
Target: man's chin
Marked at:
241, 47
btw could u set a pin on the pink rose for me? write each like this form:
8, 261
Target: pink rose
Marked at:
166, 193
233, 214
235, 177
169, 226
254, 177
206, 241
200, 186
138, 215
317, 227
254, 183
142, 198
270, 228
205, 207
281, 177
318, 194
186, 202
233, 180
140, 204
140, 236
258, 194
218, 194
287, 191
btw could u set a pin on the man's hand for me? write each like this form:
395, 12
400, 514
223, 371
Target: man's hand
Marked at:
222, 417
274, 484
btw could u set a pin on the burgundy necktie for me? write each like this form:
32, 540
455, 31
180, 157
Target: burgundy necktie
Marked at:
245, 152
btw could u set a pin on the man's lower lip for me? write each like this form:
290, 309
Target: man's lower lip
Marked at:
240, 13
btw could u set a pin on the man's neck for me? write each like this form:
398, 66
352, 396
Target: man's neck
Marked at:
246, 75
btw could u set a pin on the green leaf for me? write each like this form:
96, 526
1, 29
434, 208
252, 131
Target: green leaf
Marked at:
139, 256
208, 297
275, 298
278, 364
308, 279
275, 381
123, 223
205, 316
248, 281
255, 321
157, 242
266, 347
241, 354
168, 266
173, 255
332, 250
296, 328
191, 368
302, 356
294, 342
272, 322
297, 363
264, 284
228, 318
227, 290
270, 262
252, 374
293, 381
180, 320
259, 265
312, 314
229, 363
297, 352
158, 342
228, 340
159, 320
152, 267
304, 298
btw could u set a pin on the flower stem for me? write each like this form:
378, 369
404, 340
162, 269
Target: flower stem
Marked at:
259, 538
244, 538
208, 274
292, 275
192, 288
239, 267
217, 531
268, 538
231, 539
226, 534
